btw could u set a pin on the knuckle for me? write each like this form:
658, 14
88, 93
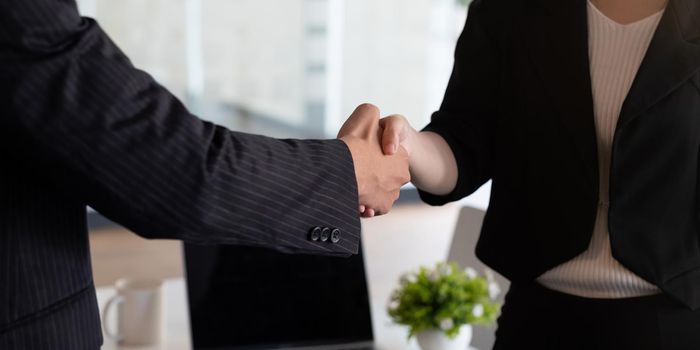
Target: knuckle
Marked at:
369, 108
386, 124
389, 130
397, 123
398, 118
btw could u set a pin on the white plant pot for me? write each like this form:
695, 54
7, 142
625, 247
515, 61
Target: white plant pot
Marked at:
437, 340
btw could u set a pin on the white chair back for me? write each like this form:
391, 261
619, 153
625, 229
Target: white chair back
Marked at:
461, 251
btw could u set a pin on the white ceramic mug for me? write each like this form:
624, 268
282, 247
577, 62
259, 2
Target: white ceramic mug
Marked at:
139, 312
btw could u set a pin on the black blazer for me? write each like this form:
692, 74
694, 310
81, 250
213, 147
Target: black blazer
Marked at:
518, 110
79, 125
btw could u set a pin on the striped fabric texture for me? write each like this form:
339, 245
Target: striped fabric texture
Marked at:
80, 125
616, 53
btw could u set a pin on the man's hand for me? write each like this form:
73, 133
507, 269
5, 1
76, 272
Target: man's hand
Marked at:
379, 176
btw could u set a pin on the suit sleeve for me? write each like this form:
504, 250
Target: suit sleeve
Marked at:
113, 136
466, 117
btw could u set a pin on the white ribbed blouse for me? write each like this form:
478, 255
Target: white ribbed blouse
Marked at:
616, 52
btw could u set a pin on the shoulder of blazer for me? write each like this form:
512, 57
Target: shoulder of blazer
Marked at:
502, 4
688, 12
497, 16
498, 10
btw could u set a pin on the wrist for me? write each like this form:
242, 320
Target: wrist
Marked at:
413, 137
415, 142
354, 145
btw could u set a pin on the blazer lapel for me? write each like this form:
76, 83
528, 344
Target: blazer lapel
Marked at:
672, 58
559, 50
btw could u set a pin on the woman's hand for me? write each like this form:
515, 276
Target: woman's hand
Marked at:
432, 165
396, 133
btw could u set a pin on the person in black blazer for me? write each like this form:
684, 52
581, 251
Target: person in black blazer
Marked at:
531, 106
81, 126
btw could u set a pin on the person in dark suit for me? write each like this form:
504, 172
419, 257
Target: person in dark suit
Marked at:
585, 115
81, 126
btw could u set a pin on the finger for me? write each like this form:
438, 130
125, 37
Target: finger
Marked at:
362, 208
370, 212
402, 151
391, 137
379, 211
392, 197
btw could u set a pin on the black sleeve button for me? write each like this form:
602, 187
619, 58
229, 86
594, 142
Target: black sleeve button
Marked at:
325, 234
335, 235
315, 234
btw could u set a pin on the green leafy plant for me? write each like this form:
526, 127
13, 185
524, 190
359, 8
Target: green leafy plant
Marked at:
444, 297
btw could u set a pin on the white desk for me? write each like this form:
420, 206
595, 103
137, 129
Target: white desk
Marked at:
389, 249
177, 329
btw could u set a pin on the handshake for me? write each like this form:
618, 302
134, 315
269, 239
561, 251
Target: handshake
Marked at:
380, 152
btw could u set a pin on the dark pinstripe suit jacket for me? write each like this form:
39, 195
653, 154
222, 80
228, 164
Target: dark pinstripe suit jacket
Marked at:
81, 126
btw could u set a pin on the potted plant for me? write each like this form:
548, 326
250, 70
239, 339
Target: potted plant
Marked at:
441, 304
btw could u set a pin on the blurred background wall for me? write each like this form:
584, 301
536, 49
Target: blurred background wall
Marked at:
292, 68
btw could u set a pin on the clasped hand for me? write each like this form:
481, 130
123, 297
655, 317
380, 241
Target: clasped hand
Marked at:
380, 151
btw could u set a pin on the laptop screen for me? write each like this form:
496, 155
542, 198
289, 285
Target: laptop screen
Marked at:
255, 298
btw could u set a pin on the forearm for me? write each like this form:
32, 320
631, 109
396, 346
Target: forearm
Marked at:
124, 145
453, 165
432, 163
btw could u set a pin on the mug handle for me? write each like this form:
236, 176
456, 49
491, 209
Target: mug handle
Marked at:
117, 299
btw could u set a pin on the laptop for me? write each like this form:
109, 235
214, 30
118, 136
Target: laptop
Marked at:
249, 298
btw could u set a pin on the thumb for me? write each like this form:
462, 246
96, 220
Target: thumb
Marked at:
392, 135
